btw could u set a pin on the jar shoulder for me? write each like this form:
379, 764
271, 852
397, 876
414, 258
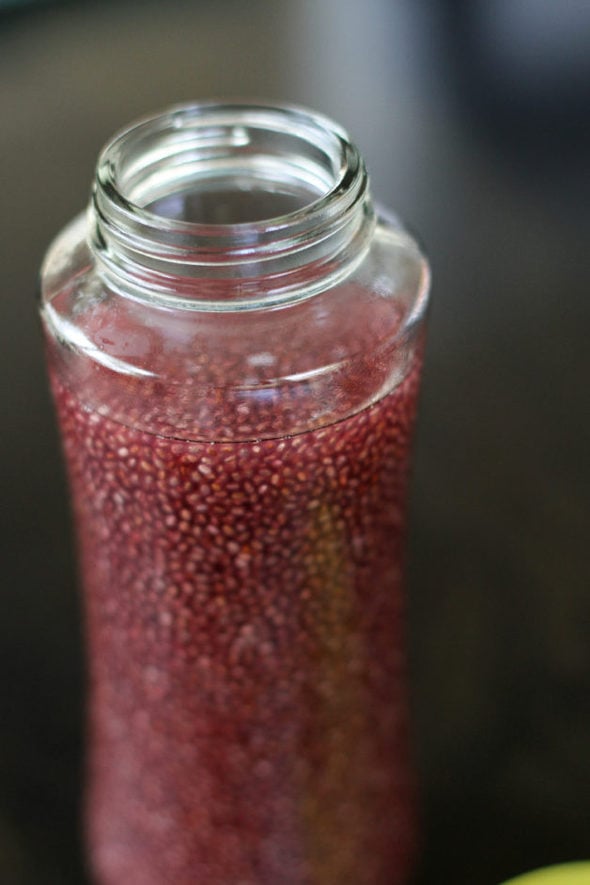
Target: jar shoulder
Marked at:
325, 357
388, 288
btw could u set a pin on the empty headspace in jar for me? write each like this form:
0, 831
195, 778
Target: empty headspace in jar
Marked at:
236, 199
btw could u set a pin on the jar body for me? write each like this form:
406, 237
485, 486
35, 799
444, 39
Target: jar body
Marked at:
238, 478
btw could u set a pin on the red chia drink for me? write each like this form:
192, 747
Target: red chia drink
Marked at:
236, 397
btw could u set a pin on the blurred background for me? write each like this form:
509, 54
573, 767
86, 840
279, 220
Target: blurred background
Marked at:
471, 117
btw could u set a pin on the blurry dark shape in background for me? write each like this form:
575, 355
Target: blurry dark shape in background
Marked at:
520, 71
523, 67
472, 117
520, 75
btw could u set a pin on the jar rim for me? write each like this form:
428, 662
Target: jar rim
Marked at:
273, 261
319, 130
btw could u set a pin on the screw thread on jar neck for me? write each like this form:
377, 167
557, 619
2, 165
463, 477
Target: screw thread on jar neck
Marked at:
229, 207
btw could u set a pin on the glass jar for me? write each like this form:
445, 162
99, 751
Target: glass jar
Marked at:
234, 342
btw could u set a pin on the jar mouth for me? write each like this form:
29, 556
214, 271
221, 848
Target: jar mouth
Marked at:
221, 191
199, 143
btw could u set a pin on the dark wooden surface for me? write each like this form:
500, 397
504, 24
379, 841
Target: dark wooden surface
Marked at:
499, 579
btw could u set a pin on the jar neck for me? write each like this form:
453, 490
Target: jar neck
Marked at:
229, 207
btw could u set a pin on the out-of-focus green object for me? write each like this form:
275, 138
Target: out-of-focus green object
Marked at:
564, 874
16, 4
